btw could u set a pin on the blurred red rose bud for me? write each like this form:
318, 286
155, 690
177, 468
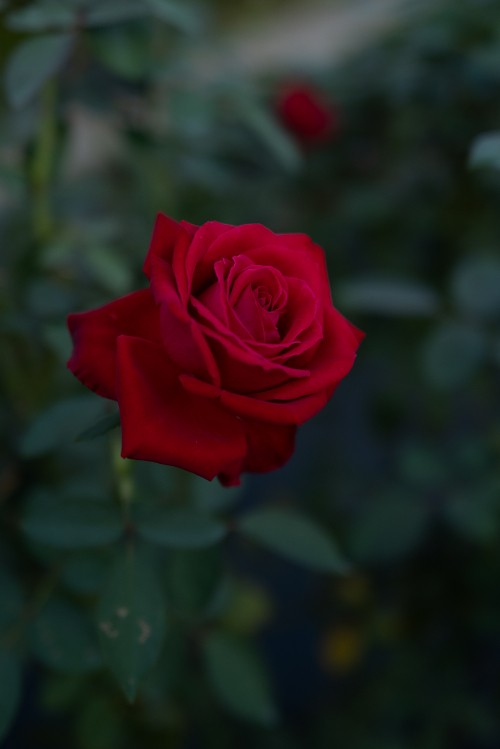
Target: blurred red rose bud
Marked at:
304, 111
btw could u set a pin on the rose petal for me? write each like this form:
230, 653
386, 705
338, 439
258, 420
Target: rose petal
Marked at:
272, 412
296, 401
170, 242
199, 271
304, 332
165, 234
249, 317
216, 298
268, 447
164, 423
220, 241
297, 258
181, 335
241, 367
303, 308
94, 335
332, 362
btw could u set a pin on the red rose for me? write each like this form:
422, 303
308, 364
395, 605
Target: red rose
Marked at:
235, 344
306, 114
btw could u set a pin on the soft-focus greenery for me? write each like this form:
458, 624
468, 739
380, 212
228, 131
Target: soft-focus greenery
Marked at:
103, 122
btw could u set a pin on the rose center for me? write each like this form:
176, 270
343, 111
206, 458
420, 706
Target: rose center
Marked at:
264, 297
249, 298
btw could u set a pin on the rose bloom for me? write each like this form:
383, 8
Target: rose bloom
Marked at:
304, 112
234, 344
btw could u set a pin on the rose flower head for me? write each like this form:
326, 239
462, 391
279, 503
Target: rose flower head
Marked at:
306, 114
234, 344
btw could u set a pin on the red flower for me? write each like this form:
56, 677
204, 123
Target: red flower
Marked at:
235, 343
306, 114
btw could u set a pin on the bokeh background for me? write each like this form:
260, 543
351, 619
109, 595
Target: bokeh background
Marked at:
114, 111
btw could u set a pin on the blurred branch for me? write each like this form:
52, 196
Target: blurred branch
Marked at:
42, 164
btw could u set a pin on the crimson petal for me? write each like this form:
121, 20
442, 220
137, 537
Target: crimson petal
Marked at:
94, 335
332, 362
165, 234
291, 412
164, 423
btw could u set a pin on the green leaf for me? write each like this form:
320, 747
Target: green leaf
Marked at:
61, 691
32, 63
108, 269
155, 480
195, 579
12, 599
83, 572
211, 496
239, 679
100, 428
64, 639
10, 689
452, 354
131, 620
423, 468
170, 668
476, 287
294, 536
176, 14
103, 711
60, 424
474, 510
389, 528
56, 338
69, 522
44, 16
485, 152
272, 135
111, 12
177, 528
125, 52
392, 297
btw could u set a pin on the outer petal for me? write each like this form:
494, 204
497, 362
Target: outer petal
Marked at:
170, 242
222, 240
164, 423
165, 234
332, 362
268, 447
272, 412
94, 336
199, 266
181, 335
297, 256
295, 401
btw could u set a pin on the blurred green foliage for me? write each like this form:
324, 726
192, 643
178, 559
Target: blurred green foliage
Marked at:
175, 586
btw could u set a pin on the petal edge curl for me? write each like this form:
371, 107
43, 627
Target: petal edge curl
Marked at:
94, 334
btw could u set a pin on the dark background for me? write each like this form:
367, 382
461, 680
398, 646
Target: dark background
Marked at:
402, 467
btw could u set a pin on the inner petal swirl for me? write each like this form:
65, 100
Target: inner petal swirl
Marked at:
248, 297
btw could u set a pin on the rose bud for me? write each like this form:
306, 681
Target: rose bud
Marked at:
305, 113
234, 344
